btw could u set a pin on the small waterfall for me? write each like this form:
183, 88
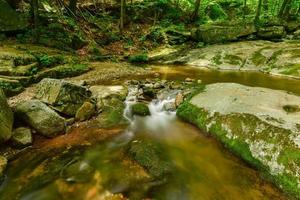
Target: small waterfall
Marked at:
159, 120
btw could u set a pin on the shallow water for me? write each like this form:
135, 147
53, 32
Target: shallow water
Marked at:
249, 78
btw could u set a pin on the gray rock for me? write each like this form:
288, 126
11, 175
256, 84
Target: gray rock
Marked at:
64, 97
40, 117
170, 106
22, 137
102, 92
6, 119
85, 112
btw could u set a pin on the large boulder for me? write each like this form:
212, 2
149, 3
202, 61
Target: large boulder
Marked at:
218, 33
40, 117
271, 32
6, 119
260, 125
10, 20
63, 96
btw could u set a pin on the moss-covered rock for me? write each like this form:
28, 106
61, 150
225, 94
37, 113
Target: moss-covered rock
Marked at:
140, 109
40, 117
85, 112
217, 34
62, 71
6, 119
10, 86
254, 124
65, 97
271, 32
22, 137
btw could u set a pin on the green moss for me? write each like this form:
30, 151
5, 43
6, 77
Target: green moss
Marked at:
293, 69
140, 109
233, 59
217, 59
258, 59
63, 71
140, 58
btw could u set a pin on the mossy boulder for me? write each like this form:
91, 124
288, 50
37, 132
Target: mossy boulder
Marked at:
6, 119
63, 96
271, 32
255, 125
10, 20
22, 137
85, 112
140, 109
212, 34
39, 116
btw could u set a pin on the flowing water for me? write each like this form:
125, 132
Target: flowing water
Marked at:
179, 162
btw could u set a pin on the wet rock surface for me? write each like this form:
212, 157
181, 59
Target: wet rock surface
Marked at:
40, 117
258, 124
22, 137
278, 58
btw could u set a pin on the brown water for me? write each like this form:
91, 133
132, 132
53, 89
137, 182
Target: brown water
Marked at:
198, 166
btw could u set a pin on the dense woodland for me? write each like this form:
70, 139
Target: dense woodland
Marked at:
141, 24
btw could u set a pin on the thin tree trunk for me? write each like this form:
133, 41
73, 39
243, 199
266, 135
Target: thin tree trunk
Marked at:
122, 16
35, 11
266, 8
245, 8
283, 8
72, 6
195, 14
258, 11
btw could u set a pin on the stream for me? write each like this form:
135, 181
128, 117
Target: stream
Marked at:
185, 163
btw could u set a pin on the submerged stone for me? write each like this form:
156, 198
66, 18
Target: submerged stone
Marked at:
40, 117
254, 124
6, 119
65, 97
22, 137
140, 109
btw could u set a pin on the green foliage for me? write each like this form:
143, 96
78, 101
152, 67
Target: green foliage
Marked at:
139, 58
45, 60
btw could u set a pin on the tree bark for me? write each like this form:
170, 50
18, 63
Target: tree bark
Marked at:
72, 6
195, 14
258, 11
122, 16
35, 12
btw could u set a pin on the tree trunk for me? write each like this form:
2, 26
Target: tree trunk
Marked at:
258, 11
245, 8
284, 8
35, 12
122, 16
72, 6
266, 8
195, 14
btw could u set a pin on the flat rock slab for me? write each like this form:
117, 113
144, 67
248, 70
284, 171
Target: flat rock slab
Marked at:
260, 125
